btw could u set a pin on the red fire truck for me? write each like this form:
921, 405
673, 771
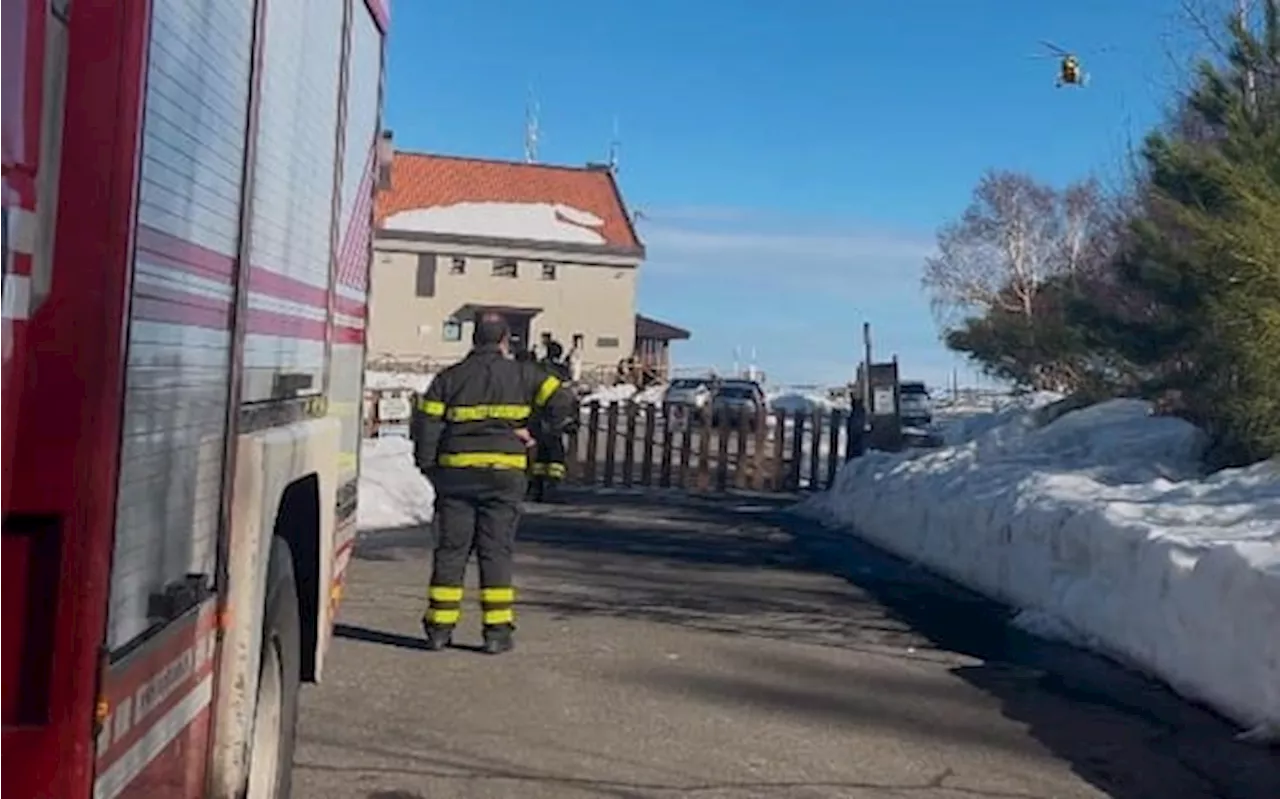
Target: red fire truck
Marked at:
187, 204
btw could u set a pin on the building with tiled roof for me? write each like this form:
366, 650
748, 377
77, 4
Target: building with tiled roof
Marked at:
551, 247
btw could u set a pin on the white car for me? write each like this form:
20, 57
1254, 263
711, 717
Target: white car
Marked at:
687, 393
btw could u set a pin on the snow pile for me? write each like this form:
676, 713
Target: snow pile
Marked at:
798, 402
625, 392
393, 493
960, 423
1098, 526
538, 221
388, 381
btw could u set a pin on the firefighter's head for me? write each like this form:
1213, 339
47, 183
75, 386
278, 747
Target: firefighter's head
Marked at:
554, 350
491, 331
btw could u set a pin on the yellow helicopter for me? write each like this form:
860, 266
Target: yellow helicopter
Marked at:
1070, 73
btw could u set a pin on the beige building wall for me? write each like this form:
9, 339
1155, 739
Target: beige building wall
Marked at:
593, 294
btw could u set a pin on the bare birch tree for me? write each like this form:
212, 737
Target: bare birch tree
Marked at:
999, 251
1016, 235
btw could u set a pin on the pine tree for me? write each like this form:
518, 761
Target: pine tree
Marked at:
1204, 259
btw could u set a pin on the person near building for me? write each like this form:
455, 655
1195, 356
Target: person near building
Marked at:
471, 439
549, 465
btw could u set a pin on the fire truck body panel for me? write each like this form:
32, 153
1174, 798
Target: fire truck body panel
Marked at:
210, 408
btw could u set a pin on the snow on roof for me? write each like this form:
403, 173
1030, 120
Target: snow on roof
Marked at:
537, 221
449, 194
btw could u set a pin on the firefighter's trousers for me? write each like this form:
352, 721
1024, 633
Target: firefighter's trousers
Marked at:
476, 510
549, 458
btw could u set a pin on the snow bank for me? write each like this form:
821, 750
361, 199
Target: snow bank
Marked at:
626, 392
393, 493
798, 402
1098, 526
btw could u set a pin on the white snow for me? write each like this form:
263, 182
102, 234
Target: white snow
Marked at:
798, 402
539, 221
389, 381
625, 392
1099, 526
393, 493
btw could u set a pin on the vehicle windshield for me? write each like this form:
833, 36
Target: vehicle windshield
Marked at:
737, 392
685, 384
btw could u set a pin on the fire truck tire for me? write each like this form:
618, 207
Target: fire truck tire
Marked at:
275, 718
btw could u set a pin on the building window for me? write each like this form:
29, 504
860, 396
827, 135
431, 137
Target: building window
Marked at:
506, 267
425, 286
458, 266
451, 330
548, 271
607, 342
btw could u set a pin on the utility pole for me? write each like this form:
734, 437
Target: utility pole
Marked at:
866, 368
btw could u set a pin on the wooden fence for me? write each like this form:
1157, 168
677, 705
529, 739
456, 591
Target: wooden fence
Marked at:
627, 445
630, 445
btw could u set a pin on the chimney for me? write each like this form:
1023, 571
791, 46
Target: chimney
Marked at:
385, 155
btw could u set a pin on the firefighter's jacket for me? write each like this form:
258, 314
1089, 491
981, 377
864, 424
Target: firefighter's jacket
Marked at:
470, 413
548, 424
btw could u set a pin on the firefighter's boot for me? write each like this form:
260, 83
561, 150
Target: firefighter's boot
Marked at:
439, 636
551, 492
499, 638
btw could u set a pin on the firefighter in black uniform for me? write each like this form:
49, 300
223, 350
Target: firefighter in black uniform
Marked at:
549, 466
471, 439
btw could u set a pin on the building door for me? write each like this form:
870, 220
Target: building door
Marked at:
519, 326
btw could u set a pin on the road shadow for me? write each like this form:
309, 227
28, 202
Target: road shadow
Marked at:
742, 566
368, 635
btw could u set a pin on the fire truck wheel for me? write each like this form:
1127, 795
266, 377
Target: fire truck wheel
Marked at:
275, 717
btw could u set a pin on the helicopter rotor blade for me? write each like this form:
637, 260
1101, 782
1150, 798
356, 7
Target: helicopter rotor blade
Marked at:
1054, 48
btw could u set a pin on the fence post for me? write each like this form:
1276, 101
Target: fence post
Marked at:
611, 443
629, 447
703, 476
778, 481
857, 431
797, 451
668, 442
740, 466
815, 449
686, 450
760, 452
722, 453
593, 436
646, 468
833, 446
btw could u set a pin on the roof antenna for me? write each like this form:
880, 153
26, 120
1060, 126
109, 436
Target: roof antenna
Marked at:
531, 128
614, 146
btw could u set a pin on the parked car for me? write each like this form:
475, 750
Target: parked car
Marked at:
914, 404
738, 402
687, 394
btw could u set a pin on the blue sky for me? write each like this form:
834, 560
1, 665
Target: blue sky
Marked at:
791, 160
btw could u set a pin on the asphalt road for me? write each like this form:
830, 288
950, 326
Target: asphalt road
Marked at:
678, 647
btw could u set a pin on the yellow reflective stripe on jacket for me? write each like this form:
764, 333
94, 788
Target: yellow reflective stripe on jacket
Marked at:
477, 413
431, 407
545, 390
483, 460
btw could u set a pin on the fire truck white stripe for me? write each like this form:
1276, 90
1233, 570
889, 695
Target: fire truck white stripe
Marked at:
350, 292
22, 230
117, 777
17, 296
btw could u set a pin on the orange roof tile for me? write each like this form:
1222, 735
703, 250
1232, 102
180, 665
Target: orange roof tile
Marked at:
419, 180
